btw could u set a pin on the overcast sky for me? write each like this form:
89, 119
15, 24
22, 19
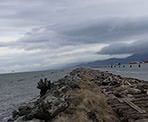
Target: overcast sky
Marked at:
48, 34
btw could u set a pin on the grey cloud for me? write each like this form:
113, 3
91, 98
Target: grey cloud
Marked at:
138, 47
105, 32
114, 30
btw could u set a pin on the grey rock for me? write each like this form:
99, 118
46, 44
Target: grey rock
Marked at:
23, 110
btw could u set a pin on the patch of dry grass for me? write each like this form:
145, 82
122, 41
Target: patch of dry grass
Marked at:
87, 99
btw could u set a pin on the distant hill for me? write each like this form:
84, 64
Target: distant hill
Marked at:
136, 57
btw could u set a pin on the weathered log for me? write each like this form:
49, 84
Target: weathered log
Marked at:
44, 86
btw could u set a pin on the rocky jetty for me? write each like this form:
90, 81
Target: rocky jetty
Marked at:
87, 95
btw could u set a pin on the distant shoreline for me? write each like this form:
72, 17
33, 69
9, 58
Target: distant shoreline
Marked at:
126, 70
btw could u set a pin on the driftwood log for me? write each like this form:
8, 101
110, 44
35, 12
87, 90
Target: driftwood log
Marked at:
44, 85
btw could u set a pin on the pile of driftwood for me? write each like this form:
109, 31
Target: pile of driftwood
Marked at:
128, 98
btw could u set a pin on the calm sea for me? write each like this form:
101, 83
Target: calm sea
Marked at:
19, 88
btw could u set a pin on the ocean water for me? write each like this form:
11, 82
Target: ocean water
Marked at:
128, 70
20, 88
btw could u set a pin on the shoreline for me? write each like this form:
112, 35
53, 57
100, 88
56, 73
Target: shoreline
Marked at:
127, 71
83, 95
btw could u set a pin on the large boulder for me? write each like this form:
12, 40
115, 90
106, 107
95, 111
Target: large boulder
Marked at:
48, 108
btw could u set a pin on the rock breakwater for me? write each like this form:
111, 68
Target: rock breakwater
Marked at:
85, 95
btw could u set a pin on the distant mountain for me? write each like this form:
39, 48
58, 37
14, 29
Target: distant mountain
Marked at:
136, 57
